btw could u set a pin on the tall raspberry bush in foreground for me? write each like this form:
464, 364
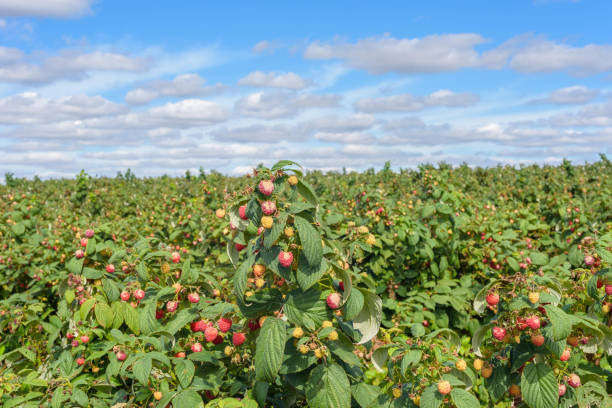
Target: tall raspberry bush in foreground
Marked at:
294, 280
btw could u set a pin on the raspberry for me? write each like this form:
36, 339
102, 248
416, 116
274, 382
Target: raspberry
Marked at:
589, 260
259, 270
478, 364
268, 207
196, 347
267, 222
298, 332
288, 232
254, 325
537, 340
220, 213
292, 180
125, 296
180, 354
566, 354
193, 297
210, 333
266, 187
533, 322
238, 338
79, 254
171, 306
159, 314
121, 356
110, 268
218, 339
224, 324
461, 365
492, 298
89, 233
326, 323
157, 395
84, 242
239, 247
84, 339
198, 326
573, 381
139, 294
486, 371
562, 390
444, 387
80, 361
285, 258
499, 333
176, 257
333, 335
608, 289
534, 297
333, 300
242, 212
514, 390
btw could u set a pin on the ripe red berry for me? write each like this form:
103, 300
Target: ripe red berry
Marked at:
84, 339
193, 297
180, 354
238, 338
492, 298
239, 247
159, 314
171, 306
139, 294
84, 242
566, 354
425, 323
224, 324
498, 332
210, 333
198, 326
285, 258
253, 325
266, 187
89, 233
218, 339
268, 207
176, 257
110, 268
74, 343
125, 296
574, 381
80, 361
333, 300
562, 390
537, 340
242, 212
79, 254
589, 260
121, 356
196, 347
533, 322
608, 289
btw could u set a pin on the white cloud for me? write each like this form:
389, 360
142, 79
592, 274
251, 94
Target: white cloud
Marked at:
410, 103
571, 95
282, 104
345, 137
8, 55
181, 86
190, 111
44, 8
265, 47
341, 123
259, 133
288, 80
379, 55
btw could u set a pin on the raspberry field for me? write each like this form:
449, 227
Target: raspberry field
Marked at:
437, 287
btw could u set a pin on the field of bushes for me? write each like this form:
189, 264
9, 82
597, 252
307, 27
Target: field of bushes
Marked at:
436, 287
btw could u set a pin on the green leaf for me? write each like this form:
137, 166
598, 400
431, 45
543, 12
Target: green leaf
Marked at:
184, 370
353, 305
561, 322
368, 320
328, 387
79, 397
431, 398
498, 383
104, 314
187, 399
307, 192
18, 229
271, 235
307, 274
261, 392
142, 369
90, 249
86, 307
91, 273
464, 399
270, 349
539, 386
364, 394
131, 318
411, 358
310, 240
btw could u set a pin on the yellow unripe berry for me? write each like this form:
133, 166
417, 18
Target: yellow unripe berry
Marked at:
363, 229
303, 349
461, 365
220, 213
298, 332
228, 351
417, 400
157, 395
333, 335
292, 180
318, 353
397, 392
326, 323
514, 390
259, 283
371, 239
259, 270
478, 364
534, 297
486, 371
248, 293
267, 222
605, 308
289, 232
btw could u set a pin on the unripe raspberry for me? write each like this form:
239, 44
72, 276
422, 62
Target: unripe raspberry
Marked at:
572, 341
326, 323
303, 349
139, 294
574, 381
292, 180
478, 364
444, 387
228, 351
333, 335
216, 292
319, 353
224, 324
533, 322
371, 240
84, 339
238, 338
333, 300
193, 297
605, 308
171, 306
80, 361
534, 297
176, 257
121, 356
397, 392
589, 260
220, 213
514, 390
499, 333
567, 353
79, 254
84, 242
461, 365
180, 354
266, 187
562, 390
537, 340
486, 371
110, 268
89, 233
196, 347
285, 258
259, 283
268, 207
259, 270
211, 334
242, 212
492, 299
288, 232
267, 222
297, 332
157, 395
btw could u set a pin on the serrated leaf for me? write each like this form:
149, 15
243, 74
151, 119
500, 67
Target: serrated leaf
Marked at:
142, 369
431, 398
310, 239
464, 399
187, 399
561, 322
270, 349
353, 305
131, 318
539, 386
104, 314
327, 387
367, 322
184, 370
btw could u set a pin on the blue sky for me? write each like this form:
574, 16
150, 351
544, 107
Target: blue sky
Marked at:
162, 87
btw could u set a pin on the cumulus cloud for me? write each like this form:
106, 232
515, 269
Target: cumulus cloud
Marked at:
570, 95
259, 133
341, 123
44, 8
265, 46
181, 86
288, 80
345, 137
8, 55
379, 55
410, 103
282, 104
